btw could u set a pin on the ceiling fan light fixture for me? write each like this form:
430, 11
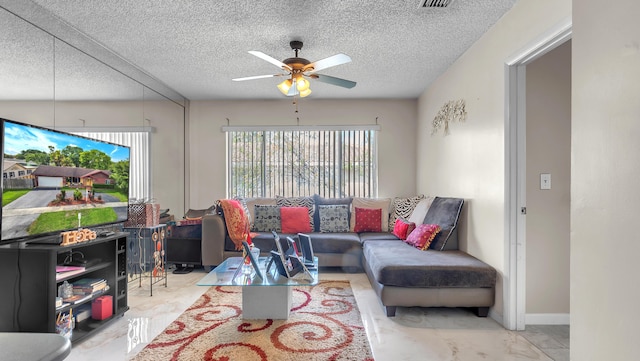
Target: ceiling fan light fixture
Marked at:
302, 84
304, 93
285, 86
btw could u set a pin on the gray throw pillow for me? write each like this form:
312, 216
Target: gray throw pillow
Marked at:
334, 218
445, 213
267, 218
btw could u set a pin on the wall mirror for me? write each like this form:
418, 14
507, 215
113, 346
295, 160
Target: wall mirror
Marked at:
47, 82
167, 165
90, 93
26, 71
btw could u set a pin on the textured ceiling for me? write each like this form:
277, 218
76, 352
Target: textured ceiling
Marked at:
197, 47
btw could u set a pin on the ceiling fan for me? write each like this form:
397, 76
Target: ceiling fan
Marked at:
298, 69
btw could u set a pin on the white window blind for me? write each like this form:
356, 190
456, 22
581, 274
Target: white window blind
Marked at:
331, 163
139, 160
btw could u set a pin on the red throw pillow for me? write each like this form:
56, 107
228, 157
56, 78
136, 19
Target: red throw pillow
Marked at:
403, 228
423, 235
295, 220
368, 220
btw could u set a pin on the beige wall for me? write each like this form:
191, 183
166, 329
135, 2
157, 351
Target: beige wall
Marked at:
33, 112
396, 150
470, 161
548, 92
605, 171
169, 163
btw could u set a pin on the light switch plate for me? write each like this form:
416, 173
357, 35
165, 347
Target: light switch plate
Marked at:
545, 181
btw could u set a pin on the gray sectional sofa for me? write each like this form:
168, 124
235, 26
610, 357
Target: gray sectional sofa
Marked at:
401, 274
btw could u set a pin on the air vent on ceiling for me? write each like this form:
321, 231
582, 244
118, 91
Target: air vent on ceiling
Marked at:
435, 3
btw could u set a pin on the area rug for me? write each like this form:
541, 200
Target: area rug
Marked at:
324, 324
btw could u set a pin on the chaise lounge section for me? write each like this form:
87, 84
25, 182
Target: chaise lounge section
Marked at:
402, 275
441, 276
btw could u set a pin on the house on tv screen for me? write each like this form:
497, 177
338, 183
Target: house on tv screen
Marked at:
47, 176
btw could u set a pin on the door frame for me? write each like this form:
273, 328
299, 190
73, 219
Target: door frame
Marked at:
514, 284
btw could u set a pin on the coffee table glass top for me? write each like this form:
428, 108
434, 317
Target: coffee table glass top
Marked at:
223, 275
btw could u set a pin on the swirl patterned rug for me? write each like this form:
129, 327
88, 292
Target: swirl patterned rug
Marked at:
324, 324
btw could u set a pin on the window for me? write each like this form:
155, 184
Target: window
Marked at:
290, 163
12, 174
20, 173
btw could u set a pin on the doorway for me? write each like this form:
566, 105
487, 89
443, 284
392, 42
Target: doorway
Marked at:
548, 187
516, 171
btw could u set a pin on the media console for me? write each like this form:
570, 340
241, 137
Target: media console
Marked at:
30, 286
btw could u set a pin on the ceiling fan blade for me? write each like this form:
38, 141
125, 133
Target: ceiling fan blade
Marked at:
257, 77
273, 61
334, 81
325, 63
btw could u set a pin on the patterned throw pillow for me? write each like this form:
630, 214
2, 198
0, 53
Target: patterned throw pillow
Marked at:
402, 208
321, 201
368, 220
294, 220
402, 228
297, 202
249, 205
267, 218
333, 218
423, 235
373, 203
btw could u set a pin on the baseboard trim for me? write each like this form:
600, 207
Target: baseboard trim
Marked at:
495, 316
547, 319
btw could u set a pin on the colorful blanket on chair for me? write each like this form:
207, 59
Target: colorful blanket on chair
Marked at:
236, 220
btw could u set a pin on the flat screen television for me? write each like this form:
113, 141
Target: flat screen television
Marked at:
54, 181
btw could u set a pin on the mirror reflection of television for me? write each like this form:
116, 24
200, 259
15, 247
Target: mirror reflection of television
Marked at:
54, 181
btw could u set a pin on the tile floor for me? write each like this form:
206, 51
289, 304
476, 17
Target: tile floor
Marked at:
553, 340
415, 333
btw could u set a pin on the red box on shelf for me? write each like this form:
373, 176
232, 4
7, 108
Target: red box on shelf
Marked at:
102, 307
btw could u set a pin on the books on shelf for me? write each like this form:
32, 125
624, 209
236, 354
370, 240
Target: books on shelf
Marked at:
76, 299
88, 286
67, 271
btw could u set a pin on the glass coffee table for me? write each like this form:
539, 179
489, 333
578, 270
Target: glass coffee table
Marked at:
268, 297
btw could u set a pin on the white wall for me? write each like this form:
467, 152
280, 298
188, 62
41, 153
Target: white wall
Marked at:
207, 145
605, 171
469, 162
548, 92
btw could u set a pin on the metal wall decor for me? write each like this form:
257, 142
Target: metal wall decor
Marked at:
452, 111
